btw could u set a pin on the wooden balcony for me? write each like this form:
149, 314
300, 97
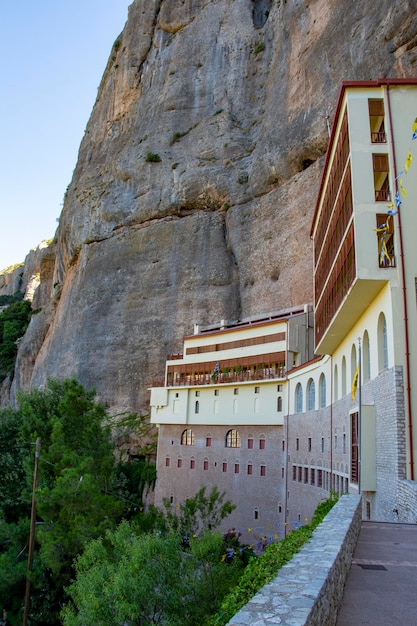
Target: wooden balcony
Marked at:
178, 379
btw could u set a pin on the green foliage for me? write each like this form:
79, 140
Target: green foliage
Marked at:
132, 578
260, 47
78, 496
13, 324
16, 297
152, 157
199, 513
262, 570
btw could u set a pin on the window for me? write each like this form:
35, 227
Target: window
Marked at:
192, 463
250, 443
354, 450
216, 392
233, 439
319, 478
280, 388
279, 403
300, 474
336, 383
236, 391
344, 443
322, 444
385, 238
197, 394
382, 343
343, 376
208, 441
312, 476
167, 461
309, 444
366, 357
377, 120
224, 466
311, 395
262, 443
257, 390
298, 398
306, 475
205, 464
335, 442
187, 438
197, 406
381, 181
322, 390
179, 462
263, 470
294, 472
250, 468
236, 468
256, 514
283, 445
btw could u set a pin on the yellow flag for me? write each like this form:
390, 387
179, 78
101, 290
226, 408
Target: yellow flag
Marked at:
355, 382
403, 191
408, 162
414, 126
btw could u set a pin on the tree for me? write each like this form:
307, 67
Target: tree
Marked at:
13, 324
77, 497
130, 578
200, 513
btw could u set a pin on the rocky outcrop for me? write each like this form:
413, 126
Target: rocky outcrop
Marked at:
196, 179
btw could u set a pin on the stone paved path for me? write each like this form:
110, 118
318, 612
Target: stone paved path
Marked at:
381, 588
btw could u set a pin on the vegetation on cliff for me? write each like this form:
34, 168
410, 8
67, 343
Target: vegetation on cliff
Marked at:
14, 321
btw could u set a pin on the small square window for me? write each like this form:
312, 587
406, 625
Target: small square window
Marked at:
257, 390
236, 391
197, 393
280, 388
216, 392
177, 395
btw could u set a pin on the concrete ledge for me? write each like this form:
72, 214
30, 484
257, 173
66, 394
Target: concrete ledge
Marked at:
309, 589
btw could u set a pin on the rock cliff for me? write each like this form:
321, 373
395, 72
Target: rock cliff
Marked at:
196, 179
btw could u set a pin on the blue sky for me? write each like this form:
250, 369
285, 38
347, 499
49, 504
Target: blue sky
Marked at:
52, 57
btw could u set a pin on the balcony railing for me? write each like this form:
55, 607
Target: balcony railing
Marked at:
223, 378
382, 195
378, 137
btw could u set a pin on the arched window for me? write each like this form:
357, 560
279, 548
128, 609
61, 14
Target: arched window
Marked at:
353, 362
382, 343
322, 391
187, 438
335, 384
279, 403
298, 398
311, 395
343, 376
366, 357
197, 406
233, 439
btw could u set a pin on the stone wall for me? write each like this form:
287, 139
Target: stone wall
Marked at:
309, 589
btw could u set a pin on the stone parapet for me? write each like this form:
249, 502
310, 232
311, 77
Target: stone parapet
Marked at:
309, 589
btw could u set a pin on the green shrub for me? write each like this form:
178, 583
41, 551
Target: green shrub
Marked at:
152, 157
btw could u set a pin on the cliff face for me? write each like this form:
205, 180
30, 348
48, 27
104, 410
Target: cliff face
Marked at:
196, 180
